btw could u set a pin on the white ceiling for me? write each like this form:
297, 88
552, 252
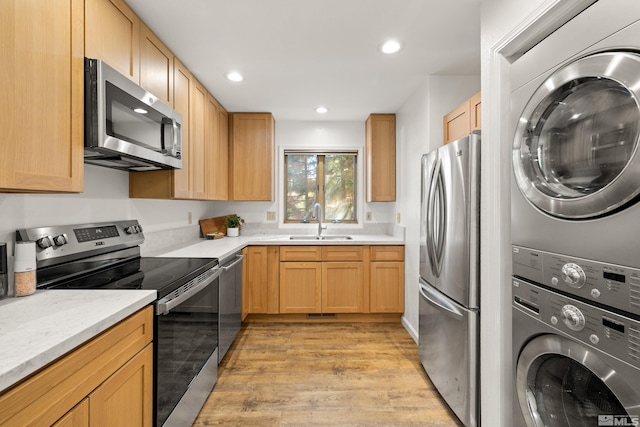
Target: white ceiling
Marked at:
298, 54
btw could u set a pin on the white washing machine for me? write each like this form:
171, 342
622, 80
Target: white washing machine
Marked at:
575, 364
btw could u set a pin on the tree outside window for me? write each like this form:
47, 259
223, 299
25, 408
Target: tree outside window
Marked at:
327, 178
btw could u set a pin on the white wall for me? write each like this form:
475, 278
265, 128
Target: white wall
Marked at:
105, 198
419, 130
312, 135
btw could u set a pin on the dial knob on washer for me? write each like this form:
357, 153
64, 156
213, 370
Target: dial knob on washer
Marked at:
572, 317
573, 275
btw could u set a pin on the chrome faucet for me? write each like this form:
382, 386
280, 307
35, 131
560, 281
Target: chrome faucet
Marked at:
317, 214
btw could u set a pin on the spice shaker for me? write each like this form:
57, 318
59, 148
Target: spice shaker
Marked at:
24, 271
4, 276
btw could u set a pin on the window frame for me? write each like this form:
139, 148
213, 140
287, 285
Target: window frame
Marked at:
321, 153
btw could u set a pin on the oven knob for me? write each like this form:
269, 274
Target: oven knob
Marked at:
45, 242
138, 228
594, 339
60, 240
572, 317
130, 229
573, 275
595, 293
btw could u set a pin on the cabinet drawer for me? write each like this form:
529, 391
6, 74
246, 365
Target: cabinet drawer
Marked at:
46, 396
300, 253
342, 253
387, 253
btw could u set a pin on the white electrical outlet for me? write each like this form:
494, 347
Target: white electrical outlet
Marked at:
271, 216
189, 217
398, 217
368, 216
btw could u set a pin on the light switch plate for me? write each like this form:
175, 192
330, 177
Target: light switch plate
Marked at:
398, 217
368, 216
271, 216
189, 217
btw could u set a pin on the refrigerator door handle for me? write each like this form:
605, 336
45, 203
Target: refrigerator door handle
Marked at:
431, 249
439, 301
442, 220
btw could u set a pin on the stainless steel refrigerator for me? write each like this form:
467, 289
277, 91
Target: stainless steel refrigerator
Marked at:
449, 274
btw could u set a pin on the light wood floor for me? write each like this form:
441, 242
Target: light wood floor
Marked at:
324, 374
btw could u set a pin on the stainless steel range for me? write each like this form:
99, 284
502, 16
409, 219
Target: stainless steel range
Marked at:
107, 256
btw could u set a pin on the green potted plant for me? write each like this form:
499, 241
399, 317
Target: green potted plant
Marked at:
233, 225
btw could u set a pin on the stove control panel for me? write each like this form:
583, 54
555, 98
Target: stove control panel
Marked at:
70, 242
608, 284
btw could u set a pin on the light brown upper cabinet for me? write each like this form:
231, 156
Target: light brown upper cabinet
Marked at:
156, 65
41, 101
217, 152
198, 118
381, 157
463, 119
251, 150
112, 33
176, 183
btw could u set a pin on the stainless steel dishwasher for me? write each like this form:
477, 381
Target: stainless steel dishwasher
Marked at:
230, 310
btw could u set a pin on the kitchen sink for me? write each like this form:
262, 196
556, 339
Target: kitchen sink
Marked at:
315, 237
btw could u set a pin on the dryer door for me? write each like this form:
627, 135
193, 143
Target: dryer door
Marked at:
575, 153
561, 383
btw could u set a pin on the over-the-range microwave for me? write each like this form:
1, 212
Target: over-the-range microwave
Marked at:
125, 126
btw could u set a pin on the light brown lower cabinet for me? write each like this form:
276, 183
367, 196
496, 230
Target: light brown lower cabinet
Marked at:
387, 279
107, 381
300, 287
261, 283
343, 287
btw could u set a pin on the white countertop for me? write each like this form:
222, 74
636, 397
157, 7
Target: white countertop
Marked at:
227, 246
37, 329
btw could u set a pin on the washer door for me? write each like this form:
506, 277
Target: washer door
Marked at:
561, 383
575, 153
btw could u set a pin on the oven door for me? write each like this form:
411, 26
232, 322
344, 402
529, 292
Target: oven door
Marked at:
186, 352
575, 152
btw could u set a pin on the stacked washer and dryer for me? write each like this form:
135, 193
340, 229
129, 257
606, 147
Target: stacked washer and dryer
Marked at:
576, 223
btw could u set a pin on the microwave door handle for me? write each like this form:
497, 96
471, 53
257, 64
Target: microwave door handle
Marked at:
173, 135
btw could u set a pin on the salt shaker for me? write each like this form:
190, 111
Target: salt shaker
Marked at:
24, 271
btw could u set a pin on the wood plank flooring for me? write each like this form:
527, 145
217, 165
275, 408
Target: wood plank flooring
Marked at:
324, 374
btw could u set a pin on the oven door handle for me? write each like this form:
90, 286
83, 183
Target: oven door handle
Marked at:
166, 304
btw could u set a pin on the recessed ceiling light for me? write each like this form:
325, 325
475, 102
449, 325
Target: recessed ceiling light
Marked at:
390, 46
322, 110
234, 76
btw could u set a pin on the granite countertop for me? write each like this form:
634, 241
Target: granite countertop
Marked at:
227, 246
37, 329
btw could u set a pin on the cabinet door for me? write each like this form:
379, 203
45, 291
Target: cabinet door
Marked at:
300, 287
217, 154
457, 123
41, 100
126, 398
251, 156
342, 287
218, 144
198, 162
381, 157
387, 287
112, 33
257, 280
156, 65
182, 82
476, 111
77, 417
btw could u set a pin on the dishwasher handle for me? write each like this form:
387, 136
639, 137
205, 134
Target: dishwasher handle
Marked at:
238, 259
180, 295
439, 301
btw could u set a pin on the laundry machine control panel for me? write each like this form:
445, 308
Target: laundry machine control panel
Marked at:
611, 285
610, 332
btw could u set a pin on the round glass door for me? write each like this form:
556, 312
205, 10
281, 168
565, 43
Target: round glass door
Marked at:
562, 384
575, 153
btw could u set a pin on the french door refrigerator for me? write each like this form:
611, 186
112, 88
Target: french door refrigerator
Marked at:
449, 314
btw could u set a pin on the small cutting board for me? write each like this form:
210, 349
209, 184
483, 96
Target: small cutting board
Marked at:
211, 225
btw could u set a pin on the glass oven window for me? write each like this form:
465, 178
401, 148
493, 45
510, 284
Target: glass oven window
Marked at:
186, 337
561, 392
